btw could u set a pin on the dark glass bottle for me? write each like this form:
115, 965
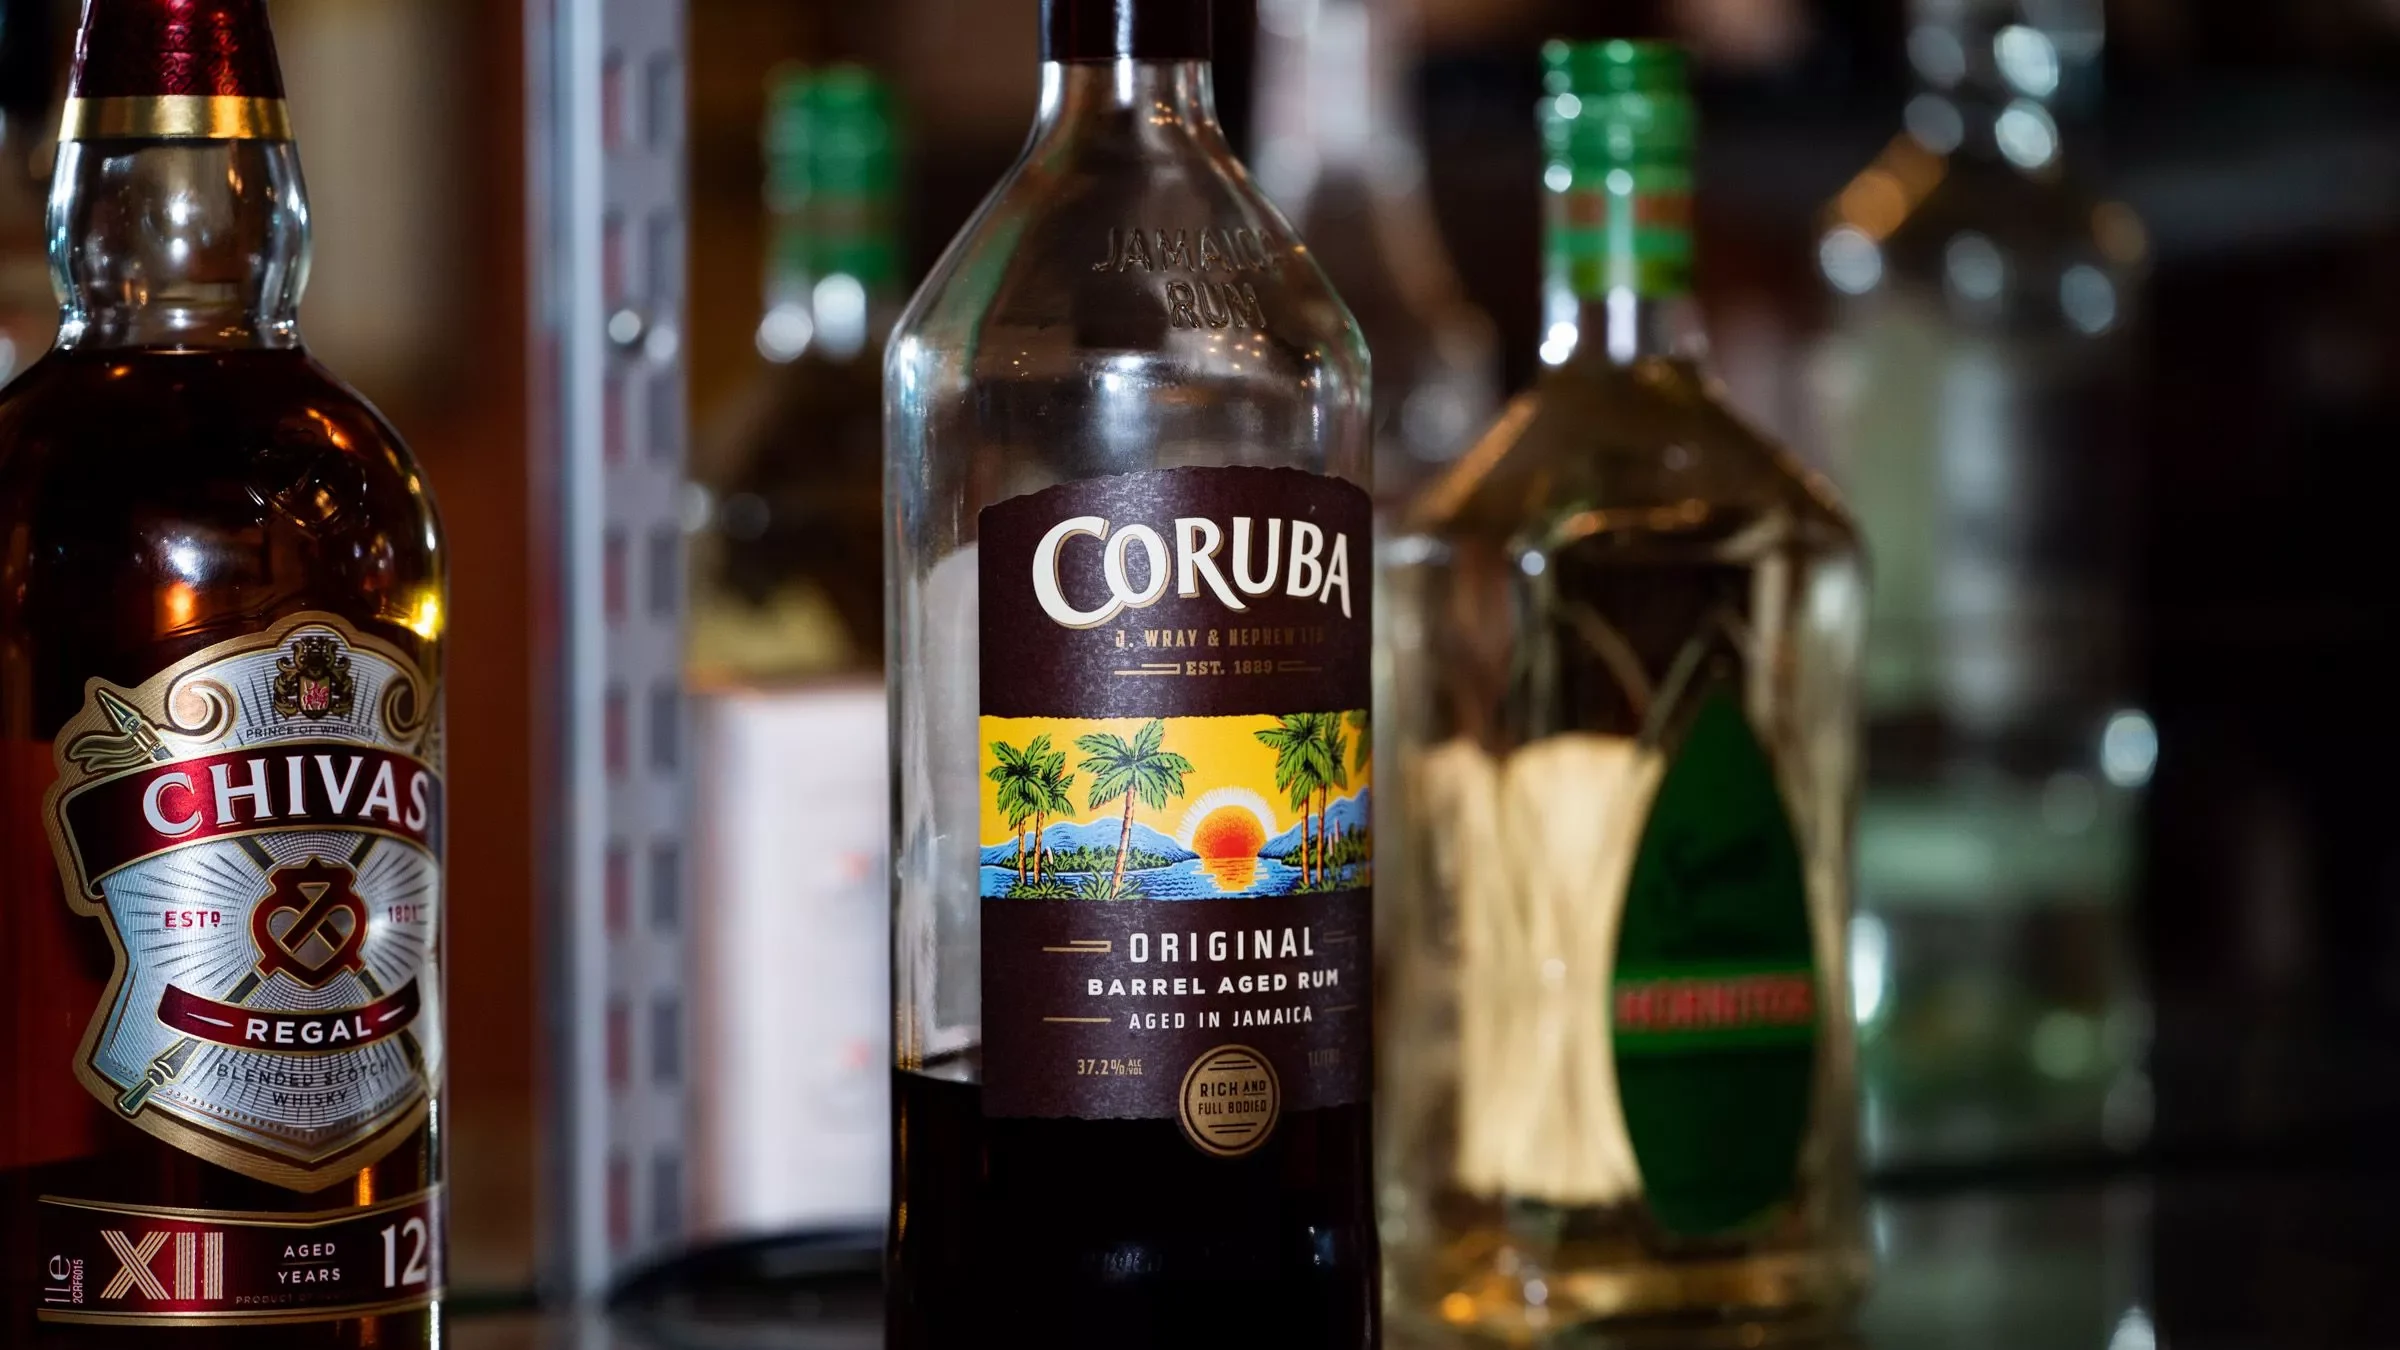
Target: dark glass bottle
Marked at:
1126, 355
221, 614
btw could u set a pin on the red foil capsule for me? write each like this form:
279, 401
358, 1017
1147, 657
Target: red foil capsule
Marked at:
175, 70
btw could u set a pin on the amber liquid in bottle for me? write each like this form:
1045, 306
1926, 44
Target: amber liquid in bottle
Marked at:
180, 478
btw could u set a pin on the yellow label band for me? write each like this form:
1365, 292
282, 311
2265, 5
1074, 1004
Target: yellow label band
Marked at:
176, 117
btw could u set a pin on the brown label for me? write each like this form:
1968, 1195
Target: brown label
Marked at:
1177, 591
112, 1263
1177, 849
1094, 1009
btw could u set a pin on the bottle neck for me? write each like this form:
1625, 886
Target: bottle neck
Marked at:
1125, 100
178, 243
1108, 30
1620, 328
1618, 252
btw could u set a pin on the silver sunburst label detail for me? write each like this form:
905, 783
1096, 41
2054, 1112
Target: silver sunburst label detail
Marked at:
259, 830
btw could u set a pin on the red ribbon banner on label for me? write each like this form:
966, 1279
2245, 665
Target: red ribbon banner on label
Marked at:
303, 786
289, 1032
1726, 1003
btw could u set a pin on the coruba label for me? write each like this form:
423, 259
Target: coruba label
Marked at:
1177, 841
259, 832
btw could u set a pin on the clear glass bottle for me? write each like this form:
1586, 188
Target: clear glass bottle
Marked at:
1617, 1081
1338, 151
1973, 398
785, 669
1128, 355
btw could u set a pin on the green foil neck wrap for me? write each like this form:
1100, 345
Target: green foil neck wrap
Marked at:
1617, 137
832, 174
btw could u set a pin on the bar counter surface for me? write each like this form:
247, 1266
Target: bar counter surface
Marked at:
2229, 1259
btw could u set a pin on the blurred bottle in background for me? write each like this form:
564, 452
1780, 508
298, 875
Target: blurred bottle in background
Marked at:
1616, 1074
28, 98
1339, 152
1973, 397
785, 667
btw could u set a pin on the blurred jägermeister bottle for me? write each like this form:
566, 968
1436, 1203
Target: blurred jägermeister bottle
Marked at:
1617, 1085
786, 667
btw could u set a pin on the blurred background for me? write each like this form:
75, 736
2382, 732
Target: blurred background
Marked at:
2089, 308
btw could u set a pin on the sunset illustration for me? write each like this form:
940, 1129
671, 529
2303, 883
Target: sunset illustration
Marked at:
1227, 828
1175, 808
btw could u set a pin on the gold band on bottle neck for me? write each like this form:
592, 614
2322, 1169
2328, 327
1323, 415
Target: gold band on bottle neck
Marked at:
176, 117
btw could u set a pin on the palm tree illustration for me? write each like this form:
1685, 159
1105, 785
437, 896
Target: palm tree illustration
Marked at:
1051, 790
1135, 770
1287, 738
1019, 776
1328, 749
1357, 720
1309, 748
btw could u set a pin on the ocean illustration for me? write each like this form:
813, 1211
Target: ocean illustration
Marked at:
1176, 808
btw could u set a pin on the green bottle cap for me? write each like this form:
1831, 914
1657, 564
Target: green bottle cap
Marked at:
832, 171
1617, 126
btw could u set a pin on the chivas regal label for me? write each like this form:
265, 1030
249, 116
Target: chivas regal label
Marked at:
259, 831
1175, 770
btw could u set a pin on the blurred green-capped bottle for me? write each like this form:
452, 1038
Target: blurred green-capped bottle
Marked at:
785, 667
1618, 1078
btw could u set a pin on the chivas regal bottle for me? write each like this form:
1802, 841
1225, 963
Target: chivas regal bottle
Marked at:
1130, 545
221, 609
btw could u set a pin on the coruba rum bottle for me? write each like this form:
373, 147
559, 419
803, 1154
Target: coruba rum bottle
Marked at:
221, 601
1127, 438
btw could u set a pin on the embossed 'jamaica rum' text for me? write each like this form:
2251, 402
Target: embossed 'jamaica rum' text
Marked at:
1131, 558
221, 754
1201, 270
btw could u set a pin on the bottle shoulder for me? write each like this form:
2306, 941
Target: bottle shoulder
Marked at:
194, 414
1995, 246
236, 485
1646, 452
1159, 256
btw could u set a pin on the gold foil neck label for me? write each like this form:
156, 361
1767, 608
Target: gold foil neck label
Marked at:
176, 117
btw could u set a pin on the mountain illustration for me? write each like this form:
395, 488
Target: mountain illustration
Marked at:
1067, 836
1345, 815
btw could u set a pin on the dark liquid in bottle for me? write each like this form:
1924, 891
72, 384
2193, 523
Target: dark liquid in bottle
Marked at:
153, 504
1120, 1233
